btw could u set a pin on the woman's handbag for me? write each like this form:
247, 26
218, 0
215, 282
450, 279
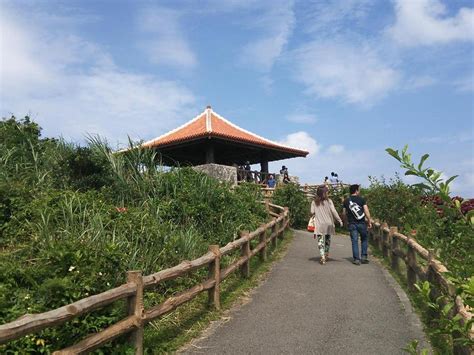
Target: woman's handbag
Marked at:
311, 225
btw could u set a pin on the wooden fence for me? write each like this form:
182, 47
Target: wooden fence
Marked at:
419, 265
133, 290
309, 190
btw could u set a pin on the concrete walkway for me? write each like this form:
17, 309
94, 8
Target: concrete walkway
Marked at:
308, 308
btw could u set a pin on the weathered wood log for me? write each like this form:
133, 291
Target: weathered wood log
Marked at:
400, 237
135, 308
464, 313
411, 260
276, 207
232, 246
401, 254
263, 239
173, 302
178, 270
96, 340
232, 267
245, 252
273, 214
419, 249
258, 248
395, 247
420, 271
30, 323
215, 274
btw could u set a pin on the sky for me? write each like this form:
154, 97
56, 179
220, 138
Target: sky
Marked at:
343, 79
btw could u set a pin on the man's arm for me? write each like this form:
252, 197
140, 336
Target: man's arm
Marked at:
367, 214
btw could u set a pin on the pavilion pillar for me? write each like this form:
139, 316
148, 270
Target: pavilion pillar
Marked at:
210, 153
264, 162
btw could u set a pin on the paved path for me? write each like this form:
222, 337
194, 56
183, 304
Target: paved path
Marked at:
308, 308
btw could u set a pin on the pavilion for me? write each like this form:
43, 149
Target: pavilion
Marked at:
211, 139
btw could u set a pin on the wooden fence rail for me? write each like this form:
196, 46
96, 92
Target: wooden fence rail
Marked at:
391, 243
133, 290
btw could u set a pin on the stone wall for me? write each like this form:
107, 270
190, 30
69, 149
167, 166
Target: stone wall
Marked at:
220, 172
294, 179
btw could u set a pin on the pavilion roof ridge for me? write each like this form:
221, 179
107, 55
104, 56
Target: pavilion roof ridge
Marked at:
151, 141
254, 134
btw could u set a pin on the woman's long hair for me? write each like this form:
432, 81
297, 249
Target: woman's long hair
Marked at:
321, 195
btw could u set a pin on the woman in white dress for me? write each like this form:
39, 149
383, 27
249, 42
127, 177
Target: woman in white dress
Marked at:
322, 208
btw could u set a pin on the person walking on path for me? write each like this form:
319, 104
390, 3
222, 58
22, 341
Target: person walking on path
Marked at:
322, 208
357, 213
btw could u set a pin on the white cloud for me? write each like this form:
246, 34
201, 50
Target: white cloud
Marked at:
276, 21
71, 86
419, 82
336, 149
332, 16
353, 167
302, 140
465, 84
166, 43
425, 22
302, 118
343, 70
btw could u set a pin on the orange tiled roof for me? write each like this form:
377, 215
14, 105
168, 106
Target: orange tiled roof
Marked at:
210, 124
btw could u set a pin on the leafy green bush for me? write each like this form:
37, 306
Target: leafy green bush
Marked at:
290, 195
75, 219
442, 226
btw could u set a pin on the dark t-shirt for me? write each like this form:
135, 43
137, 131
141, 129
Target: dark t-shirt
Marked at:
357, 200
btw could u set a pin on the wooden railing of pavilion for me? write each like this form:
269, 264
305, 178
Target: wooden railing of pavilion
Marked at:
133, 290
419, 265
255, 176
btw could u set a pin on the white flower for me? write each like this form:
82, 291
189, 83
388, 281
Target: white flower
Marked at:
100, 273
27, 297
71, 268
108, 283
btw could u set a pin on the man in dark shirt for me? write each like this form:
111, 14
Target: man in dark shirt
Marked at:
357, 213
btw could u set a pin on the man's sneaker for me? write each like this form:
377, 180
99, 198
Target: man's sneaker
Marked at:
365, 261
356, 262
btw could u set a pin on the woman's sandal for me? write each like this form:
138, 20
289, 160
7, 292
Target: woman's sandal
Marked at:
322, 261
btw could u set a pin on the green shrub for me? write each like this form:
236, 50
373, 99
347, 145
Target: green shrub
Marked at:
290, 195
75, 219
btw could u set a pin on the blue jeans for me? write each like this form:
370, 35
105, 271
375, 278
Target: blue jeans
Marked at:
355, 229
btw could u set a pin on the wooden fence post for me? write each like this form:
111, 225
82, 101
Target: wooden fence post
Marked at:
430, 273
395, 249
263, 239
274, 231
380, 237
385, 237
135, 307
411, 260
285, 222
215, 274
245, 251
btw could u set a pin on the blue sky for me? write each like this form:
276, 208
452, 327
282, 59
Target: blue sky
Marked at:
343, 79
